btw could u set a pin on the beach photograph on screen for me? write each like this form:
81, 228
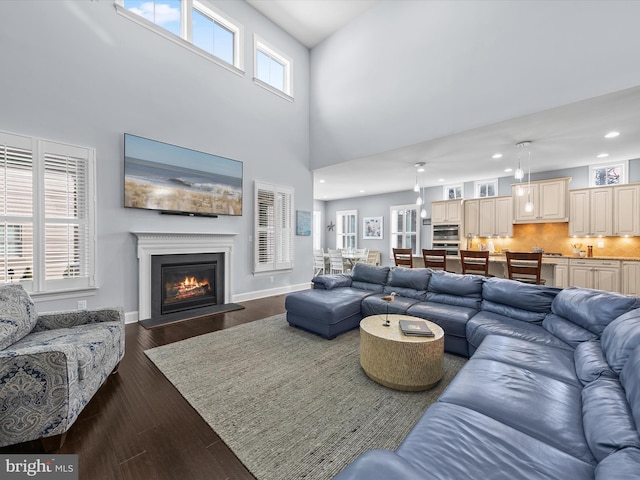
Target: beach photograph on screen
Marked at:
160, 176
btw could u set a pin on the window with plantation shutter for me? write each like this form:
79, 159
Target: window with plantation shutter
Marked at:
47, 214
274, 227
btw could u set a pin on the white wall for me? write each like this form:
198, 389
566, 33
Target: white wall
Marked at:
78, 72
410, 71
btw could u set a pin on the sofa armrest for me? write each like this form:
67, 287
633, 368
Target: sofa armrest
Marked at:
73, 318
382, 465
328, 282
39, 387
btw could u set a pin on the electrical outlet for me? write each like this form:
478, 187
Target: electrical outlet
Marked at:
82, 304
600, 244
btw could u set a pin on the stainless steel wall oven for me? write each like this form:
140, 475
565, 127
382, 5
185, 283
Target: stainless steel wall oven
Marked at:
447, 237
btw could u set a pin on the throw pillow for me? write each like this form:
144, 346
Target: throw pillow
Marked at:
17, 314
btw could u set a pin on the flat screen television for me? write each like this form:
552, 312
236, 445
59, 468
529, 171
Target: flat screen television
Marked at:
178, 180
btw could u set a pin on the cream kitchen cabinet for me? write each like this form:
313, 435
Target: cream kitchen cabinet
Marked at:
447, 211
598, 274
631, 278
591, 212
489, 217
549, 198
561, 273
626, 210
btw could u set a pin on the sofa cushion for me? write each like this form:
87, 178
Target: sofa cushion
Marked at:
630, 381
620, 338
455, 289
567, 331
453, 319
363, 272
590, 362
17, 314
591, 309
453, 442
328, 282
374, 305
486, 323
621, 465
553, 407
522, 301
546, 359
608, 424
408, 282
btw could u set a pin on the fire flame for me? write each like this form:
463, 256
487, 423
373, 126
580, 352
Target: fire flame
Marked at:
189, 287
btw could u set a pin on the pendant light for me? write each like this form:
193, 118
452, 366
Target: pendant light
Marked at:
528, 206
419, 168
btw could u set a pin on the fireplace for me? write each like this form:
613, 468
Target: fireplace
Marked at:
185, 282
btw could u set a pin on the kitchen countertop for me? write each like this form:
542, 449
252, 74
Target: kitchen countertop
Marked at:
552, 259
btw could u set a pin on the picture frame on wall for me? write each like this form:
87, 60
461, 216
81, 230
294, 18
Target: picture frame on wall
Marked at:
372, 228
303, 223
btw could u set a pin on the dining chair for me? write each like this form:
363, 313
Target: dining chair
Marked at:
475, 262
373, 257
435, 258
336, 262
403, 257
318, 263
525, 267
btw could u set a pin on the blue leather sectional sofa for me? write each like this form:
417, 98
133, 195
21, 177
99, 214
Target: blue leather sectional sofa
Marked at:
551, 389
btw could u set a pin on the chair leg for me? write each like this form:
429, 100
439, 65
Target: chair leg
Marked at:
53, 444
115, 369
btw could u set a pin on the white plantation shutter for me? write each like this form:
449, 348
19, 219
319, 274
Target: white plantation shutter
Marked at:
47, 207
274, 227
68, 230
16, 209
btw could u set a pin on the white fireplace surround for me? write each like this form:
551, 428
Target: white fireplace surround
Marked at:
157, 243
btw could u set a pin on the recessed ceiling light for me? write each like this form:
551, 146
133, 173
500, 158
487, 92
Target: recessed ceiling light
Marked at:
361, 191
322, 181
507, 170
497, 155
603, 155
613, 134
441, 179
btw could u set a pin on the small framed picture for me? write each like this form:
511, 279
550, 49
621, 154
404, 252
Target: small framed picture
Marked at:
303, 223
372, 228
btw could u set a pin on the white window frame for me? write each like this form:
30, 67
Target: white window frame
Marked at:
261, 45
403, 232
44, 155
185, 38
624, 172
277, 224
478, 184
342, 237
446, 188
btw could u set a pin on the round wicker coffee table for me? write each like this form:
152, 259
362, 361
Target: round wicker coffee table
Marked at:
399, 361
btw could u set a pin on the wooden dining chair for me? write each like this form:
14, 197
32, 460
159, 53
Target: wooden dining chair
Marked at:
435, 258
403, 257
525, 267
474, 261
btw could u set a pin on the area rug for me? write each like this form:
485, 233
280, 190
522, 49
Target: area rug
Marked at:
289, 403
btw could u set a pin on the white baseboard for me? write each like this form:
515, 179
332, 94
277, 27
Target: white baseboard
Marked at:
270, 292
132, 317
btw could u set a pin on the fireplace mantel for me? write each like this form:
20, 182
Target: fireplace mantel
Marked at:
166, 243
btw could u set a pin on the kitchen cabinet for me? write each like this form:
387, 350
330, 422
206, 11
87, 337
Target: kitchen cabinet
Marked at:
549, 198
598, 274
489, 217
561, 274
626, 210
631, 278
447, 211
591, 212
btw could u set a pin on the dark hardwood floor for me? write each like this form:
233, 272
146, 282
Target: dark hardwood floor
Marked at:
138, 426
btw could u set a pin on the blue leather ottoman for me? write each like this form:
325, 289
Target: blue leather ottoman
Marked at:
325, 312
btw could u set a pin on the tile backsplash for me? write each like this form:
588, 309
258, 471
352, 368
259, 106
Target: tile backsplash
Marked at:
554, 238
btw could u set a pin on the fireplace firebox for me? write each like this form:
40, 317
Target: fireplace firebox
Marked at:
185, 282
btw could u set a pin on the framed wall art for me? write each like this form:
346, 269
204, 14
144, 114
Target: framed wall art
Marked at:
372, 228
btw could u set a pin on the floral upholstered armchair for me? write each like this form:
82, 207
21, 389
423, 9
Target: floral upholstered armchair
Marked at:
51, 365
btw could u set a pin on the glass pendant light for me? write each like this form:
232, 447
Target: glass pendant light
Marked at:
528, 207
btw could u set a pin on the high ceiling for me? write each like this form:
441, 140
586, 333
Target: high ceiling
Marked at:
563, 137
